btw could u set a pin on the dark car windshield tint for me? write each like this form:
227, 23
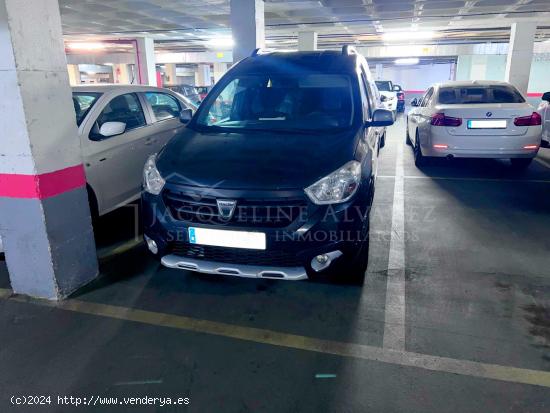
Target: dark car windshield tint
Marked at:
479, 94
83, 103
281, 102
384, 86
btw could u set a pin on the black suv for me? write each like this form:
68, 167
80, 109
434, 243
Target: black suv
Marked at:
273, 176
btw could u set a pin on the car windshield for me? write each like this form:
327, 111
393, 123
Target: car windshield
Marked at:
479, 94
83, 103
384, 86
281, 102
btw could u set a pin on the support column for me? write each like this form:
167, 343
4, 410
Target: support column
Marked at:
307, 41
147, 72
379, 71
520, 54
74, 75
247, 27
121, 73
44, 215
170, 74
219, 70
203, 76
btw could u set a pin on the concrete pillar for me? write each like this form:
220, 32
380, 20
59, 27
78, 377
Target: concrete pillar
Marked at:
247, 27
170, 74
147, 72
203, 76
121, 73
520, 54
379, 71
44, 215
74, 75
307, 41
219, 71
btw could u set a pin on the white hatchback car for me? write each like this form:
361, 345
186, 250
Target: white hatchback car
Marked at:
119, 127
475, 119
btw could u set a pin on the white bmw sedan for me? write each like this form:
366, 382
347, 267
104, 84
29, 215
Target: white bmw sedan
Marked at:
475, 119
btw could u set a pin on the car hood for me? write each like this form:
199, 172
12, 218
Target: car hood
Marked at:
259, 161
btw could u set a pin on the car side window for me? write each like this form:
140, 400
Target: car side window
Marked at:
124, 108
164, 106
364, 98
427, 97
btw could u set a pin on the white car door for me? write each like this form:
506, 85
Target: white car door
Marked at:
165, 110
544, 111
413, 116
423, 118
114, 164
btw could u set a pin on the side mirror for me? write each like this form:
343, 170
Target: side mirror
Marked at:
381, 117
383, 98
109, 129
186, 115
414, 102
546, 96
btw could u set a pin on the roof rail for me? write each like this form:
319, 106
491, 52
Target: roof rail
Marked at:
348, 50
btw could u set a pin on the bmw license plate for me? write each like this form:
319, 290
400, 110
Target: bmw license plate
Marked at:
225, 238
487, 124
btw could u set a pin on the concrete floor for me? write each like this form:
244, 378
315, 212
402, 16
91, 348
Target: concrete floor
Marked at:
476, 308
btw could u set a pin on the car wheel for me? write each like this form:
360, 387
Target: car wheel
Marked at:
521, 163
419, 158
407, 137
353, 272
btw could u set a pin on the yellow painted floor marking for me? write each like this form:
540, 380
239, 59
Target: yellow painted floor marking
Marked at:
296, 342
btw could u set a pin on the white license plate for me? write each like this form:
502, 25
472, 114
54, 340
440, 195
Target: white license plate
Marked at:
224, 238
487, 124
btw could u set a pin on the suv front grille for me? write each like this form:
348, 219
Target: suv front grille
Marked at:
277, 258
248, 212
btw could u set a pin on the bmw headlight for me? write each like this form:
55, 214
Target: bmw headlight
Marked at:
337, 187
152, 180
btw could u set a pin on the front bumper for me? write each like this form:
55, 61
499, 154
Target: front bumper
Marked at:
289, 250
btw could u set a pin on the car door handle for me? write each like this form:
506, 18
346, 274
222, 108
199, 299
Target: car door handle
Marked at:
102, 159
150, 141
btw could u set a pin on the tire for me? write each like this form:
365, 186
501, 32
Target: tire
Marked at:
92, 201
353, 272
419, 158
521, 163
407, 137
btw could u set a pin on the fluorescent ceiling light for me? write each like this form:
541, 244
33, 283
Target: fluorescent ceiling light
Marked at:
407, 36
221, 42
86, 46
407, 61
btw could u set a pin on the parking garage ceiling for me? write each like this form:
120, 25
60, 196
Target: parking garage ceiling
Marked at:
188, 25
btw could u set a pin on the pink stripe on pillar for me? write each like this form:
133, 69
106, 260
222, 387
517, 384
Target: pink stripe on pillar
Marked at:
44, 185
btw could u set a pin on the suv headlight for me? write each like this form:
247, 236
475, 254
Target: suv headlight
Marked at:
337, 187
152, 180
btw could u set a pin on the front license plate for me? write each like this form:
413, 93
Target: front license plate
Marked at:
224, 238
487, 124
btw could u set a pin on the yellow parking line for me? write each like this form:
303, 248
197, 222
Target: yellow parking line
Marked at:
296, 342
109, 252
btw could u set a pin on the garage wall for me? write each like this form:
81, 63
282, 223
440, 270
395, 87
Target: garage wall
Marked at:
493, 67
417, 77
